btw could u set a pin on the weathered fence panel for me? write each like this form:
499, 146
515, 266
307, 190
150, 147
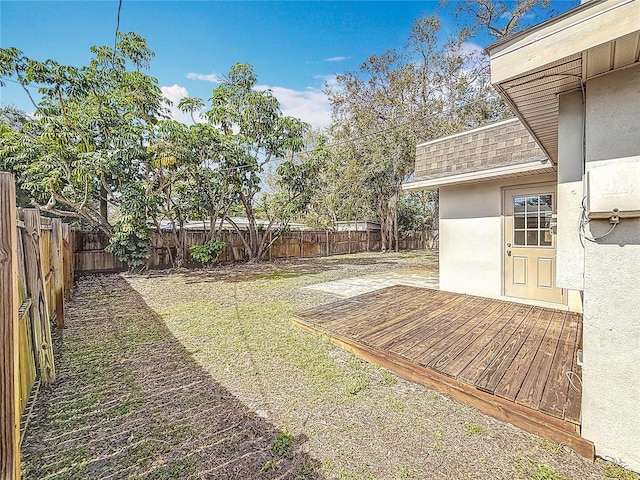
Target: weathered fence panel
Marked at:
37, 285
9, 333
57, 260
89, 254
27, 370
67, 261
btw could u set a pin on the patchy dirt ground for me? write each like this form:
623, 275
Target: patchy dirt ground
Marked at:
199, 374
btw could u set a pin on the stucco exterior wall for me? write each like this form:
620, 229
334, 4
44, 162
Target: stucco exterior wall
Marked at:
471, 234
570, 254
611, 332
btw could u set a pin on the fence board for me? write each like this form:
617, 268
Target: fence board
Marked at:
67, 261
27, 365
9, 333
36, 285
58, 274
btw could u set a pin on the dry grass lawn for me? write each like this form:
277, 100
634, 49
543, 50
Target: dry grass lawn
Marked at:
199, 374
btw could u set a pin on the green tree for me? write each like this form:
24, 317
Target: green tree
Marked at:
86, 142
418, 212
256, 133
398, 99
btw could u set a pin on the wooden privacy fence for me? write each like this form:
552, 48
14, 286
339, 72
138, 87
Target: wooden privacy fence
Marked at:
90, 255
36, 275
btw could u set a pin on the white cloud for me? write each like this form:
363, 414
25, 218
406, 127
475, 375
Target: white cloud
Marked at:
175, 93
310, 105
472, 49
207, 77
328, 80
335, 59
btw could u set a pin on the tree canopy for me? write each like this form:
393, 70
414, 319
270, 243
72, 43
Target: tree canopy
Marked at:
101, 149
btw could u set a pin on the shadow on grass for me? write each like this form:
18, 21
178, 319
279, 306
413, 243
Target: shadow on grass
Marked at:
272, 270
129, 401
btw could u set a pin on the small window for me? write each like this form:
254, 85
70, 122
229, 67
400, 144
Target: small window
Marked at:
531, 219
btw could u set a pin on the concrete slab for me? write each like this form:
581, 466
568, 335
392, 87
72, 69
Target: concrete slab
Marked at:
350, 287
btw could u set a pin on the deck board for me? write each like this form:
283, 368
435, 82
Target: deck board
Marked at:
459, 356
518, 370
554, 397
574, 395
473, 371
532, 388
500, 365
507, 358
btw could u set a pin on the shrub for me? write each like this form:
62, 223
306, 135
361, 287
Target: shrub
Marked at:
207, 253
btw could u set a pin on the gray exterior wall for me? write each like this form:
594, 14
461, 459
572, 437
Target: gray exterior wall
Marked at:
500, 144
611, 329
570, 254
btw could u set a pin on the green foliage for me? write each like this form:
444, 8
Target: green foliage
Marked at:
473, 429
131, 238
616, 471
130, 244
543, 472
358, 385
256, 133
208, 252
394, 101
269, 465
282, 444
85, 145
305, 469
418, 211
534, 470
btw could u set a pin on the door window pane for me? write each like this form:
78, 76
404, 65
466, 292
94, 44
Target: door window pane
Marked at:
545, 203
531, 220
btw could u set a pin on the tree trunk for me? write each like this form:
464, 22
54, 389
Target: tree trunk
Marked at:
396, 235
104, 210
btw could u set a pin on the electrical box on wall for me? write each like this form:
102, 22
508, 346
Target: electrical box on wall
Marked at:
613, 189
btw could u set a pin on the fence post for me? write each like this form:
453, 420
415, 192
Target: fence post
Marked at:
349, 240
327, 244
35, 282
9, 338
58, 270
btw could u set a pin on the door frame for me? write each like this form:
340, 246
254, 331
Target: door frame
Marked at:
505, 192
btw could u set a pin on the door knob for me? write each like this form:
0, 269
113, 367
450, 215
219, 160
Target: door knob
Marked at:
508, 253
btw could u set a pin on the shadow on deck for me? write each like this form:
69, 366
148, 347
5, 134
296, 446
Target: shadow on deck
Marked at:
508, 360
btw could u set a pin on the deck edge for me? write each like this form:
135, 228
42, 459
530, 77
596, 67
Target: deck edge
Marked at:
532, 421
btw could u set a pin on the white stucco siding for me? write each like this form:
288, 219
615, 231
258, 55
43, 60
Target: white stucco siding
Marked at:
471, 236
611, 328
613, 112
611, 345
570, 254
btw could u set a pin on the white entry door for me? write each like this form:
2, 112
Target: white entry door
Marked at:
530, 247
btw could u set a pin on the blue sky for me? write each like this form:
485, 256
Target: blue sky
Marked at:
294, 46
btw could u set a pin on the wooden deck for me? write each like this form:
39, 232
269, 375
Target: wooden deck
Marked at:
507, 359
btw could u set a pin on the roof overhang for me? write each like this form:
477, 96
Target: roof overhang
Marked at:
536, 167
532, 68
